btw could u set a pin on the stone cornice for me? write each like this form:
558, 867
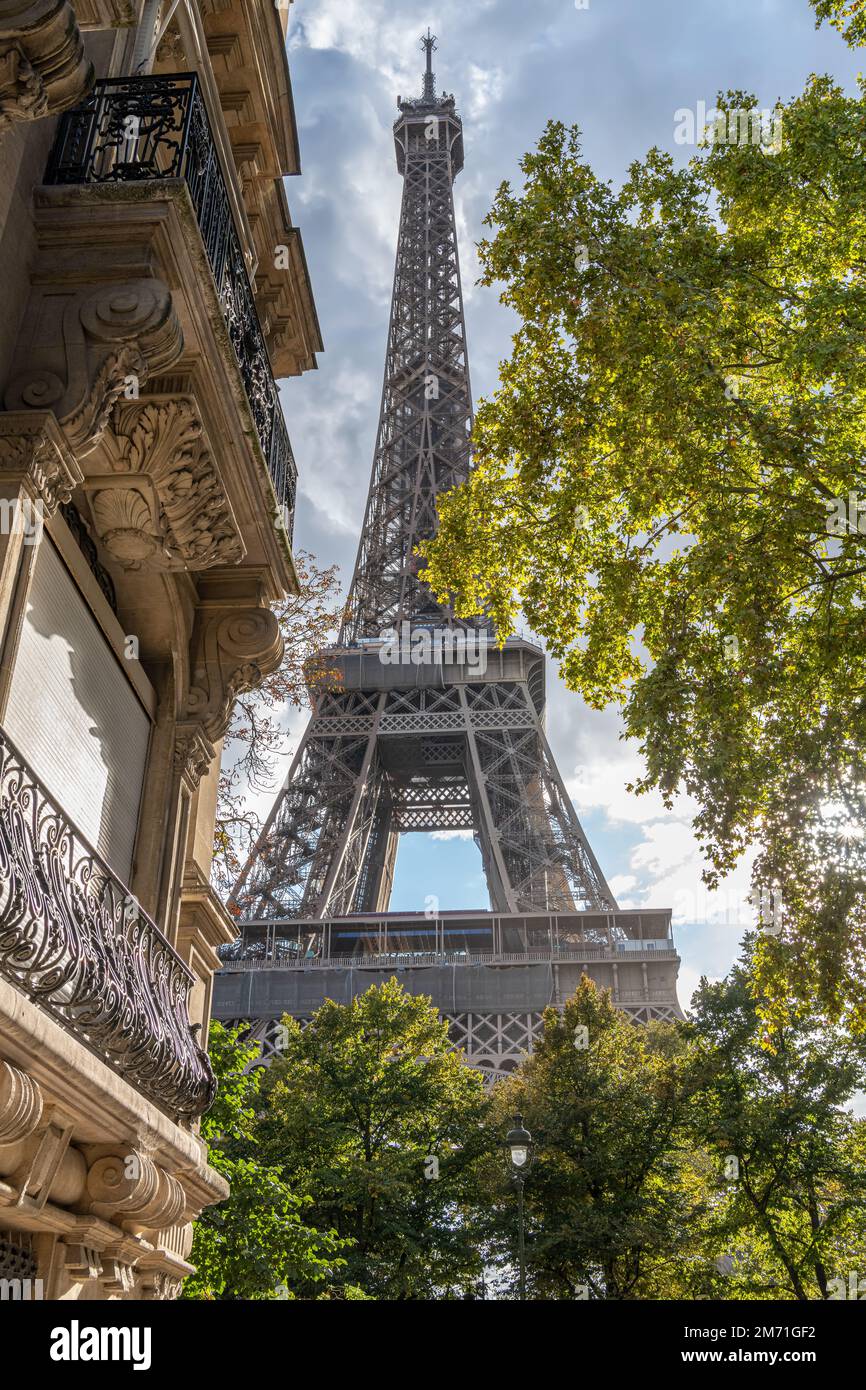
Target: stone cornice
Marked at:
104, 1103
250, 40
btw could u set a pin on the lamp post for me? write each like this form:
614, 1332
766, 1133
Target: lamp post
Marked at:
519, 1143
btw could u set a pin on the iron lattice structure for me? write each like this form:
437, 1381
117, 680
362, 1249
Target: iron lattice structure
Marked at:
422, 446
455, 740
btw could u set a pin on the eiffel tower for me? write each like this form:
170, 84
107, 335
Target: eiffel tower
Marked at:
429, 725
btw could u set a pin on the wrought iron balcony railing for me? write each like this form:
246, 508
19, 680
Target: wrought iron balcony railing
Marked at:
134, 129
78, 944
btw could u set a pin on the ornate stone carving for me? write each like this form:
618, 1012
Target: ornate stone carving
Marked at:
124, 519
117, 1276
81, 1262
22, 92
171, 50
193, 753
109, 340
34, 449
132, 1188
20, 1104
167, 507
43, 68
233, 651
158, 1284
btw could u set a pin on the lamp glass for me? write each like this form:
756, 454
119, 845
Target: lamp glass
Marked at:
519, 1155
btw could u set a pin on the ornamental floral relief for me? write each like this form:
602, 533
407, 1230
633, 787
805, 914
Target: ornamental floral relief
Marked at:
163, 503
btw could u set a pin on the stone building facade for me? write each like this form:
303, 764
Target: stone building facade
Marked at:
153, 287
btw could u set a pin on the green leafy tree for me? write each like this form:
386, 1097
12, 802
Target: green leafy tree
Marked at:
255, 1245
615, 1190
790, 1159
848, 16
668, 480
376, 1121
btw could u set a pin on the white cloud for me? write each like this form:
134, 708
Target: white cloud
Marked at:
326, 421
485, 89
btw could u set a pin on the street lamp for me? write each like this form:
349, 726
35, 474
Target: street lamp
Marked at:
519, 1143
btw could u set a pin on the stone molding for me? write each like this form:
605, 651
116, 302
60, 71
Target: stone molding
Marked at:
122, 1273
119, 1183
132, 1190
116, 1277
123, 1221
81, 1262
158, 1284
104, 1103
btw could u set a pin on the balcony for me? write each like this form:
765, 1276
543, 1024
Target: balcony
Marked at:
75, 942
146, 129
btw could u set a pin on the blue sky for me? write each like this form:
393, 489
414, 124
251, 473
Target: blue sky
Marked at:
620, 69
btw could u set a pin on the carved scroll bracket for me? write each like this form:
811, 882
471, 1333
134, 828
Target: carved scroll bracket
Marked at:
107, 341
232, 651
20, 1104
129, 1188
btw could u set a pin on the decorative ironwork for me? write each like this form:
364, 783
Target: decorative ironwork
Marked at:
87, 546
76, 942
137, 129
17, 1260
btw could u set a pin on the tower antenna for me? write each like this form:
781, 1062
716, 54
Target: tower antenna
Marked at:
428, 43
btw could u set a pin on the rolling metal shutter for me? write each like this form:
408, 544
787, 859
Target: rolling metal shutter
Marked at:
74, 715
